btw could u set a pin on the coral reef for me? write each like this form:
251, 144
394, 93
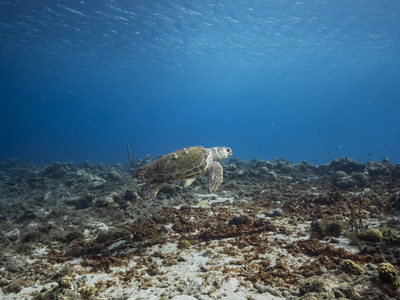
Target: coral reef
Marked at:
373, 235
351, 267
274, 230
4, 281
114, 175
66, 282
87, 291
183, 244
389, 274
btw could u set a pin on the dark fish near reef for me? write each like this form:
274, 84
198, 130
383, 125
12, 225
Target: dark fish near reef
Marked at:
11, 183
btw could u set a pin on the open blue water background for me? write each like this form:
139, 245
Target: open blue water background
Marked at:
301, 80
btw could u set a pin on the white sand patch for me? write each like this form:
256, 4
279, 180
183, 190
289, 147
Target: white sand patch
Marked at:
41, 251
344, 243
208, 199
116, 245
96, 225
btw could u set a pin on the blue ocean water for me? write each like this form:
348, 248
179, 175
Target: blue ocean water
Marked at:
301, 80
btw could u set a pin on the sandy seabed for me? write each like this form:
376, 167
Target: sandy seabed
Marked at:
274, 230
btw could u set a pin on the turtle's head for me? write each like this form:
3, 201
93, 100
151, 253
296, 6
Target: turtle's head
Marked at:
220, 153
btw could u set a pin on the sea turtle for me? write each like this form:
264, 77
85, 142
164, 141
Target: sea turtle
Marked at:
188, 164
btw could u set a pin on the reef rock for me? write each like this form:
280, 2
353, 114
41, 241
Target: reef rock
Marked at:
395, 200
396, 172
55, 170
376, 168
347, 165
13, 234
277, 212
346, 182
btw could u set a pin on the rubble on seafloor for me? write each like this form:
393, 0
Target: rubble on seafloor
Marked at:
274, 230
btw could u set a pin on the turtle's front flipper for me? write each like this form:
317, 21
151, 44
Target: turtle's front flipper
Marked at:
216, 174
150, 189
188, 182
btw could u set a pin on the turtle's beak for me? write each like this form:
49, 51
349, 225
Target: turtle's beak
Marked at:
229, 150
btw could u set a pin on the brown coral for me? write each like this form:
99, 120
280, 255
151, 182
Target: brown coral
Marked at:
351, 267
373, 235
388, 274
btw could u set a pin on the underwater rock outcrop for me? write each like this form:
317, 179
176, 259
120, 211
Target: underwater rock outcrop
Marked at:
396, 172
347, 165
383, 168
343, 181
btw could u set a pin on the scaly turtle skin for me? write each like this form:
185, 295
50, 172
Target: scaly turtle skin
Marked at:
188, 164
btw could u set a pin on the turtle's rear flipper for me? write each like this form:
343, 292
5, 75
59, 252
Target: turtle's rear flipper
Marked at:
216, 175
151, 189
